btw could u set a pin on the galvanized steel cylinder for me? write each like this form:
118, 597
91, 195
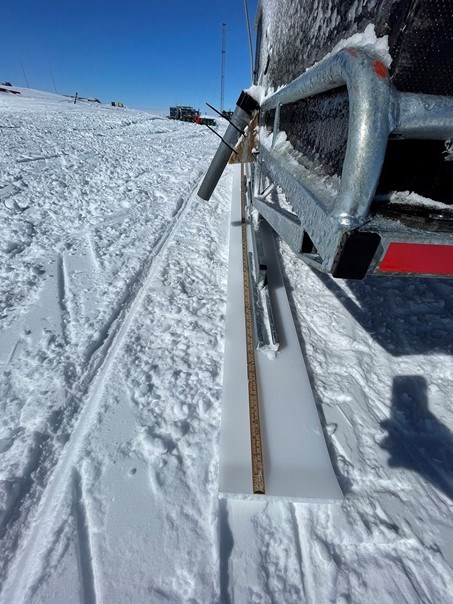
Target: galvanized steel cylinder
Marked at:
239, 120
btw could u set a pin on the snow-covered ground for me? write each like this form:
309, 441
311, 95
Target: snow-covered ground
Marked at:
113, 285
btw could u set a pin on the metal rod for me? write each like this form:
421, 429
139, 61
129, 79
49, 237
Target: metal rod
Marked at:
424, 116
222, 76
249, 31
276, 124
221, 115
51, 75
221, 138
25, 76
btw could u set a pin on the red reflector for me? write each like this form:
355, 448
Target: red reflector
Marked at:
380, 69
418, 258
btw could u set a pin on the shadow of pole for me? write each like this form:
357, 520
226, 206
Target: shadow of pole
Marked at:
226, 544
416, 439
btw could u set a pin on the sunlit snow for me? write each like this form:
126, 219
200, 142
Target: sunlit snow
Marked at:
113, 296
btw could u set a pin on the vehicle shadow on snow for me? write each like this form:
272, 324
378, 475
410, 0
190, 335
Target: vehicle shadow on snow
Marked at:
416, 439
406, 316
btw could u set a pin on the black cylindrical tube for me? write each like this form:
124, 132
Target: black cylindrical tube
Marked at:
240, 118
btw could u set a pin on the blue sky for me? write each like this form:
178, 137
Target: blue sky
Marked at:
147, 54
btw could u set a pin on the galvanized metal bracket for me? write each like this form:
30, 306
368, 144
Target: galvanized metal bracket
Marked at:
328, 210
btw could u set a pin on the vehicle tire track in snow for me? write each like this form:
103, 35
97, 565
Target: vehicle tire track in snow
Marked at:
65, 315
41, 453
35, 547
25, 160
91, 250
99, 350
301, 559
84, 551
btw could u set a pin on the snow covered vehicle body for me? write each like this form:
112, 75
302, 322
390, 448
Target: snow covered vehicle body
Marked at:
365, 148
354, 166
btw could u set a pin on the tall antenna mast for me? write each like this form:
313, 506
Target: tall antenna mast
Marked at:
249, 31
54, 86
25, 75
222, 77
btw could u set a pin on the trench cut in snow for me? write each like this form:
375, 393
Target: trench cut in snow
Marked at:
296, 461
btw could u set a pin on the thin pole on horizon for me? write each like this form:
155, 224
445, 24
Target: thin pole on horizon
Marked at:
23, 71
249, 32
222, 76
51, 75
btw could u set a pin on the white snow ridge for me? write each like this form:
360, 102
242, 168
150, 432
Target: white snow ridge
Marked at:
113, 280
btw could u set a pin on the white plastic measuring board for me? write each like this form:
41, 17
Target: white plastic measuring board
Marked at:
296, 461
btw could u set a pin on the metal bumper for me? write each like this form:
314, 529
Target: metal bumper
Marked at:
327, 213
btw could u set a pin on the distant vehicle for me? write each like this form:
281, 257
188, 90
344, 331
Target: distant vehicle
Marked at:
6, 84
185, 113
180, 112
2, 89
117, 104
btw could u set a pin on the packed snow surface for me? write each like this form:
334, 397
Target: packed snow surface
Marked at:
113, 294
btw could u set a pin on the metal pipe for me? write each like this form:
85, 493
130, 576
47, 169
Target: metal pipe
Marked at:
276, 124
425, 116
376, 110
239, 120
370, 122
